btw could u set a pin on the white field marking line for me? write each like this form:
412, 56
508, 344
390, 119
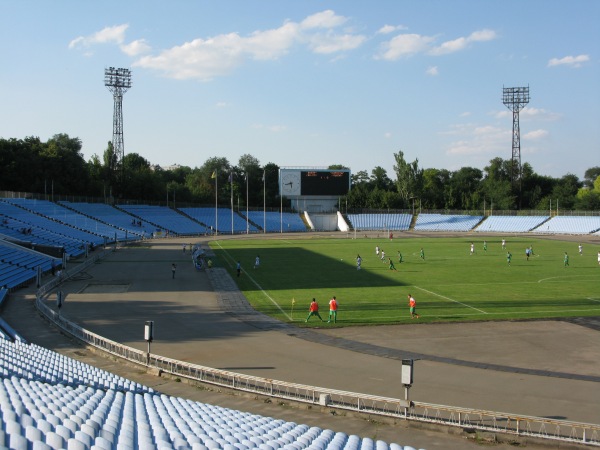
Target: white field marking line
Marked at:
512, 283
259, 287
563, 276
452, 300
475, 314
593, 299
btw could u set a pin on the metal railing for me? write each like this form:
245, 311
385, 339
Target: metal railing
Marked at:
488, 421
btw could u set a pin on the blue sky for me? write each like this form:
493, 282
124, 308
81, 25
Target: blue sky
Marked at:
309, 83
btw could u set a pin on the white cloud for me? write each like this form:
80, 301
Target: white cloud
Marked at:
136, 47
222, 104
108, 35
404, 45
463, 42
478, 140
433, 71
572, 61
331, 43
535, 134
410, 44
387, 135
205, 59
465, 114
323, 19
387, 29
269, 44
528, 112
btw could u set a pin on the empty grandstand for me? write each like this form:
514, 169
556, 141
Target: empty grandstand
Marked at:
446, 222
570, 225
380, 221
115, 217
164, 218
73, 219
19, 266
25, 225
510, 224
49, 401
222, 222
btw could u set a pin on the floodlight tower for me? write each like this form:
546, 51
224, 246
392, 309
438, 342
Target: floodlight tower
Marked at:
515, 99
118, 81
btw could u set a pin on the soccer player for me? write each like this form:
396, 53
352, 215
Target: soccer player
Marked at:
508, 257
413, 307
377, 250
382, 256
599, 258
400, 258
472, 249
566, 260
392, 267
238, 268
503, 244
580, 250
358, 262
485, 246
313, 310
257, 262
333, 307
422, 254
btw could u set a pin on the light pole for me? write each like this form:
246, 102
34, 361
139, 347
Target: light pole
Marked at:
148, 336
118, 81
247, 229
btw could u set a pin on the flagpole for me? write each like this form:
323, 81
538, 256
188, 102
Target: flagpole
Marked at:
216, 202
280, 204
231, 185
264, 204
247, 229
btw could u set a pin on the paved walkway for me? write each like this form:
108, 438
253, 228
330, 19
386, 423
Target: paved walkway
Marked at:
545, 368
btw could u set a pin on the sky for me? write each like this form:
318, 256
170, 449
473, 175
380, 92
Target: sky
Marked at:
309, 83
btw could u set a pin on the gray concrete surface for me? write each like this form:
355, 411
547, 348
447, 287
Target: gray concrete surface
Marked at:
540, 368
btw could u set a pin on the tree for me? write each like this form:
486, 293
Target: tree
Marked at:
409, 178
271, 183
359, 177
338, 167
434, 181
251, 174
248, 163
589, 198
20, 165
63, 163
496, 185
565, 191
464, 189
590, 176
380, 179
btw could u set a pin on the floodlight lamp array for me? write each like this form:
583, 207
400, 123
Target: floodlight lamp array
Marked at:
515, 98
117, 78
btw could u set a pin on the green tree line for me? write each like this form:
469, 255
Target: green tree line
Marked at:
58, 167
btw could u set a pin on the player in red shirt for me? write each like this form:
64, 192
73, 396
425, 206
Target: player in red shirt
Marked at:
333, 306
413, 307
313, 310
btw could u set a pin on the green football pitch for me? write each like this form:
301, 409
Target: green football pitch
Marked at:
449, 283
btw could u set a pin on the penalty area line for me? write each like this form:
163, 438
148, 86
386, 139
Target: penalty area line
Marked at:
257, 285
452, 300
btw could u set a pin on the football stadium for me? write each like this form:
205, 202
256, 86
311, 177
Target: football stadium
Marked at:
140, 326
165, 298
